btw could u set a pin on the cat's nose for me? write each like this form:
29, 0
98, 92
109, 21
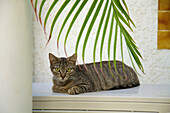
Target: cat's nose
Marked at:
63, 76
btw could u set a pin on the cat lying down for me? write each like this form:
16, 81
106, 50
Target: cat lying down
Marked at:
69, 78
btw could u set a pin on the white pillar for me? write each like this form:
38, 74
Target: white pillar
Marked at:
15, 56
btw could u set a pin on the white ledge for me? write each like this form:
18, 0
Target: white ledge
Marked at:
142, 93
145, 98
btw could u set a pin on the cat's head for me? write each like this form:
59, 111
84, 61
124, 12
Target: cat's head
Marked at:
62, 68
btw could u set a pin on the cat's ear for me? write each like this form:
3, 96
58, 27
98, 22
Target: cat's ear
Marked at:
53, 58
73, 58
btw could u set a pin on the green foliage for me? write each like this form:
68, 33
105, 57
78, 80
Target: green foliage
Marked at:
116, 10
41, 6
90, 27
64, 23
72, 22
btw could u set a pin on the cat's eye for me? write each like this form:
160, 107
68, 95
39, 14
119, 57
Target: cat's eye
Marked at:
57, 69
68, 70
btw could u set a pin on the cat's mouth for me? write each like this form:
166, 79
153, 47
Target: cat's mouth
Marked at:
63, 79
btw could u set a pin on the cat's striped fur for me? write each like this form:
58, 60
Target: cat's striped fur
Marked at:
76, 80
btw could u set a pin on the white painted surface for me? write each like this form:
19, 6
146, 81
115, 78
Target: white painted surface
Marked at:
15, 57
146, 98
144, 14
77, 111
144, 91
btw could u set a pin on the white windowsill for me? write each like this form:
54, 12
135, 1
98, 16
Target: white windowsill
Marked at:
146, 97
144, 91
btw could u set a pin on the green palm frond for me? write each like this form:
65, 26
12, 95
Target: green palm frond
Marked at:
103, 36
35, 8
48, 13
64, 23
84, 24
121, 45
97, 36
124, 3
115, 11
56, 17
72, 22
130, 43
40, 10
98, 31
90, 27
109, 43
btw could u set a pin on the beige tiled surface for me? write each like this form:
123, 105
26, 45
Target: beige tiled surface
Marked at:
164, 20
164, 24
164, 5
164, 39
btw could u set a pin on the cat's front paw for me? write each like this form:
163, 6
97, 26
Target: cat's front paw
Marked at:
74, 90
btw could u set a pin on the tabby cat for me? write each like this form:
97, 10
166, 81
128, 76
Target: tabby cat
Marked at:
69, 78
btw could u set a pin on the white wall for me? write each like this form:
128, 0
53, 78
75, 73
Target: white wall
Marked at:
144, 14
15, 56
